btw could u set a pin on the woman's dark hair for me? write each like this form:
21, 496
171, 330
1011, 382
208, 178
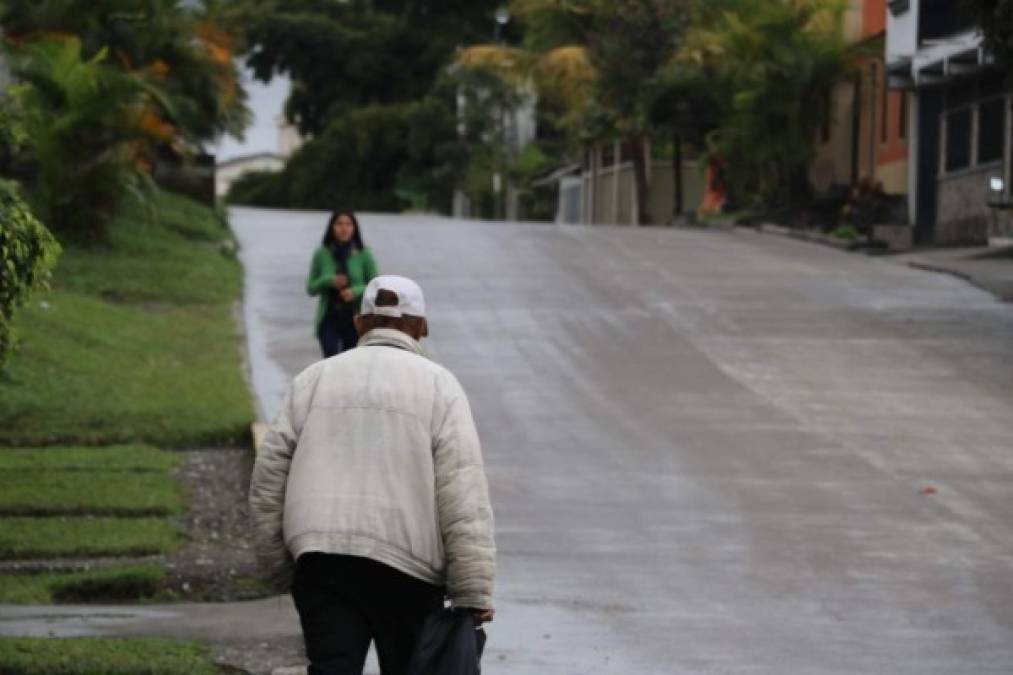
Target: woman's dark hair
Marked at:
329, 233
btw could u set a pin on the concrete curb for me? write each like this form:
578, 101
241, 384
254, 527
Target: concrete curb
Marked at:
1001, 294
800, 235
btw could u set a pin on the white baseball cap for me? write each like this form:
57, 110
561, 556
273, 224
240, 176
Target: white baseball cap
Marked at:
409, 297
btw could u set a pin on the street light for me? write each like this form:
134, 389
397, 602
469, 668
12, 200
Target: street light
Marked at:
998, 200
502, 18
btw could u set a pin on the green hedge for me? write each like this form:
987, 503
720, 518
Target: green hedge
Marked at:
27, 255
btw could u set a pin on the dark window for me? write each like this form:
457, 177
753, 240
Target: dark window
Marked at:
991, 125
991, 83
961, 94
902, 123
958, 139
941, 18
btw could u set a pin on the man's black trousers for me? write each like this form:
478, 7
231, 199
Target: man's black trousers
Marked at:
345, 602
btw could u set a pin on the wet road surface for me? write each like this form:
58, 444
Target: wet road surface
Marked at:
709, 452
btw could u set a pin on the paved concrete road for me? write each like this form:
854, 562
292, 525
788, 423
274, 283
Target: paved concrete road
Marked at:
708, 451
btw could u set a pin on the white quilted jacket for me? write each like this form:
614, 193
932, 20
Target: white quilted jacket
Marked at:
375, 454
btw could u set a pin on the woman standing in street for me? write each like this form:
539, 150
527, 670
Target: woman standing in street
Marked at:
340, 270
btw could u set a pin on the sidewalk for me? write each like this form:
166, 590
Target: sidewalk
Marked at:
988, 268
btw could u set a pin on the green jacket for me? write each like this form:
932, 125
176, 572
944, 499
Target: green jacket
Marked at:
361, 270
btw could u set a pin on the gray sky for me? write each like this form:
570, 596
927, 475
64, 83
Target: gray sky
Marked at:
266, 102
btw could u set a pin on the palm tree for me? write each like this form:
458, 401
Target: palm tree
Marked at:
88, 132
182, 45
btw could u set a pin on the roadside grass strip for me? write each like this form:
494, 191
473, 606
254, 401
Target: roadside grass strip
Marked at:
59, 493
108, 458
110, 584
136, 342
88, 537
104, 656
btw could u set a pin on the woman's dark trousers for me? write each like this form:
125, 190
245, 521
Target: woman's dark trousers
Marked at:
344, 602
337, 333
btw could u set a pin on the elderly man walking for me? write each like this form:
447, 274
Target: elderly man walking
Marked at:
369, 494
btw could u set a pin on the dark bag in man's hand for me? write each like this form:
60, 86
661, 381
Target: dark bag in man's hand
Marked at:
450, 644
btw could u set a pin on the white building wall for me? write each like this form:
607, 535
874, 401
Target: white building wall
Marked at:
226, 174
902, 34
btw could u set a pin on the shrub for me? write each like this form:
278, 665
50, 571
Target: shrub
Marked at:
27, 254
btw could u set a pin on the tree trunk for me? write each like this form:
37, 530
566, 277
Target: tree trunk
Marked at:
640, 175
677, 175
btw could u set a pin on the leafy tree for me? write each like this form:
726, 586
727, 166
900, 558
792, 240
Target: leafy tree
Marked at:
27, 254
629, 41
380, 157
87, 128
770, 67
345, 54
683, 104
596, 60
180, 45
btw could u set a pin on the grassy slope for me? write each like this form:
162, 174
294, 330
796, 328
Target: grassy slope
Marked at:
36, 493
26, 538
127, 582
136, 342
104, 656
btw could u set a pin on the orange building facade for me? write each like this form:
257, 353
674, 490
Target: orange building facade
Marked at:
868, 135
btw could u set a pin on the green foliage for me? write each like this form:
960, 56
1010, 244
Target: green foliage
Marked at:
258, 188
128, 582
80, 119
180, 45
27, 255
104, 656
770, 68
373, 158
347, 55
55, 492
22, 538
126, 458
628, 43
136, 341
845, 233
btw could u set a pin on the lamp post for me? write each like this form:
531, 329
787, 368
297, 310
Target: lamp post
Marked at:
501, 19
998, 200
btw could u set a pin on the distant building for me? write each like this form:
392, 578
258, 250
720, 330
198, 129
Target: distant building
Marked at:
289, 139
867, 135
228, 171
959, 125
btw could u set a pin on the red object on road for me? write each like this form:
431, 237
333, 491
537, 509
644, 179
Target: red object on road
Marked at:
929, 490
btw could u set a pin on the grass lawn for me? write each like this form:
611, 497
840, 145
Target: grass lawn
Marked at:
135, 582
104, 656
22, 538
109, 458
53, 492
136, 342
